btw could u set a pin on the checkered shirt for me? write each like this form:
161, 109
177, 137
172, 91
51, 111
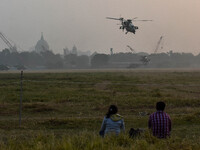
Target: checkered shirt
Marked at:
160, 124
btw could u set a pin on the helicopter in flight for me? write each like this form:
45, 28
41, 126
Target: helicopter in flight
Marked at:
127, 24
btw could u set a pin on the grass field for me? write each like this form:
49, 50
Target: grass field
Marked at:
64, 110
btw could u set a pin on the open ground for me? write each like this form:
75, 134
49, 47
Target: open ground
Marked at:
64, 110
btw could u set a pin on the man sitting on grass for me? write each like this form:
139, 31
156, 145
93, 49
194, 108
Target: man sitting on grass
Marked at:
160, 122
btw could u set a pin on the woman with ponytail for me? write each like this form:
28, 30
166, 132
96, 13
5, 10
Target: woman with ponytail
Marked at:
113, 123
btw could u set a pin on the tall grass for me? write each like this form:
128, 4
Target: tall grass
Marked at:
65, 110
90, 141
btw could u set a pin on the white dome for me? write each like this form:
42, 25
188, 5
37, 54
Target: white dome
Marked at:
42, 45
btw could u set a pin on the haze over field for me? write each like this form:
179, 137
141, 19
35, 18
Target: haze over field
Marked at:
82, 22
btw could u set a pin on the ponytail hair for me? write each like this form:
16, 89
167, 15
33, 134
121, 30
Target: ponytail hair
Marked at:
112, 110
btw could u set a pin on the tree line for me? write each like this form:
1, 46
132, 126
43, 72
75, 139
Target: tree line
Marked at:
49, 60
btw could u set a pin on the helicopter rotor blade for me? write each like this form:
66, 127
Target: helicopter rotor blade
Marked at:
121, 19
142, 20
134, 18
113, 18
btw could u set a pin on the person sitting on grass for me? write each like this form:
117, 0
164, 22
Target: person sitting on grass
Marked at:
160, 122
112, 123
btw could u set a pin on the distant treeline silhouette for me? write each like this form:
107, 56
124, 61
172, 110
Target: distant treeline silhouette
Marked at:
49, 60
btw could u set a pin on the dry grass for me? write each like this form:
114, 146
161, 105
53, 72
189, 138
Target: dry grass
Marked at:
68, 108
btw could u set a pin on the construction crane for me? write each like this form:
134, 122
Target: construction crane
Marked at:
6, 41
158, 44
132, 50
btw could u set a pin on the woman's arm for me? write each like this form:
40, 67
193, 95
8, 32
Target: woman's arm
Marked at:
103, 127
123, 125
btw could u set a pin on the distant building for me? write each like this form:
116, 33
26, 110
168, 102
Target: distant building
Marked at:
74, 50
66, 51
93, 54
42, 45
87, 53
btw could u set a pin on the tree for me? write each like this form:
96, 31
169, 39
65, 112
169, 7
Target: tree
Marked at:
52, 61
82, 61
99, 60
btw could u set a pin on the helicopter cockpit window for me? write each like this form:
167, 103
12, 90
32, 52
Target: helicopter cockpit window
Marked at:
131, 25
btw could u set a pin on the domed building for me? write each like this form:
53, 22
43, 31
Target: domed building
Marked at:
42, 45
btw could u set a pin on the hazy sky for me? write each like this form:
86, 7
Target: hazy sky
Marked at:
82, 22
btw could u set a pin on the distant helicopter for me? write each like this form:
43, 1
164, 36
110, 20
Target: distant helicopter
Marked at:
127, 24
145, 59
